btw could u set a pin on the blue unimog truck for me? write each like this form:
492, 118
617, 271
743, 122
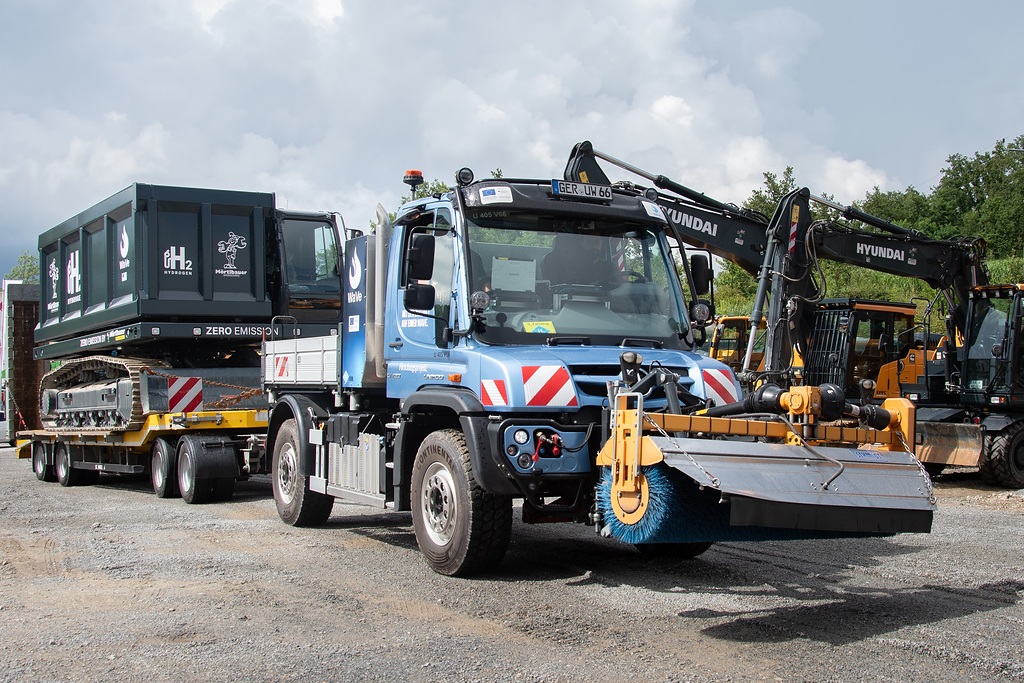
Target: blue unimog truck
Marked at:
531, 339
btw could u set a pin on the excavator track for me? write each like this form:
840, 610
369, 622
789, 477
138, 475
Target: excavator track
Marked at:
76, 372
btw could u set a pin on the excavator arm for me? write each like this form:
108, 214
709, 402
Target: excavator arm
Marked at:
782, 252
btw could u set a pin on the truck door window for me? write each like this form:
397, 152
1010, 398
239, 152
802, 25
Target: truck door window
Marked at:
439, 224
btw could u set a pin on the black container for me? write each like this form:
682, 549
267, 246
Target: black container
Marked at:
154, 252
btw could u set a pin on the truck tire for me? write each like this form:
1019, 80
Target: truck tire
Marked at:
66, 474
460, 528
296, 503
43, 471
194, 490
163, 469
1003, 463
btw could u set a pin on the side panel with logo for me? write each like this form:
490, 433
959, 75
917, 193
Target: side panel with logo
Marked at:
353, 347
234, 266
72, 277
122, 236
50, 279
178, 241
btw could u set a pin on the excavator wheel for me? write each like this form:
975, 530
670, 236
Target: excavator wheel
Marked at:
1004, 458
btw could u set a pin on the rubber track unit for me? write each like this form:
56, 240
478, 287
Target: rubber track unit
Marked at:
78, 371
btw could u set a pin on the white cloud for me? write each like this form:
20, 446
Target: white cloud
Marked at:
848, 181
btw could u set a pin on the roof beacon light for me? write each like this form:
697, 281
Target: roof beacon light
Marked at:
413, 179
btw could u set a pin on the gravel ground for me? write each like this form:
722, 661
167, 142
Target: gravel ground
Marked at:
109, 583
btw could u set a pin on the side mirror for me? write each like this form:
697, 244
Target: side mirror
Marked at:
700, 272
419, 258
419, 297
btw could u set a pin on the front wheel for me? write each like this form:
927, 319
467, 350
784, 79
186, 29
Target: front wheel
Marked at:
460, 528
296, 503
1004, 458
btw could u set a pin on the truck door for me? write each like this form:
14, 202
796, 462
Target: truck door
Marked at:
418, 352
310, 264
415, 326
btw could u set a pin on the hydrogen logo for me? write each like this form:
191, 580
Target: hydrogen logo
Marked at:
175, 262
74, 277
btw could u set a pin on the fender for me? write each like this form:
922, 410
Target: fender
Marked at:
997, 422
473, 420
304, 411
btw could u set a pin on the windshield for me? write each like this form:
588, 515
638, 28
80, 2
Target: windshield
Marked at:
573, 281
986, 362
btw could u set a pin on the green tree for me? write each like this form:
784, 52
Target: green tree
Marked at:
25, 269
983, 196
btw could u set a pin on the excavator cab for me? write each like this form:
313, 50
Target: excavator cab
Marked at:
858, 345
993, 367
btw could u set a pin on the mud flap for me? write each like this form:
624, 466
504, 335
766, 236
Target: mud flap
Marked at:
766, 491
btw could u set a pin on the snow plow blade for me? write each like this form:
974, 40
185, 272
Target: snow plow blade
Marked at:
779, 486
762, 479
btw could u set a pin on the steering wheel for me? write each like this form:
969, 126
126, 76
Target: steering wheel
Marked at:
635, 276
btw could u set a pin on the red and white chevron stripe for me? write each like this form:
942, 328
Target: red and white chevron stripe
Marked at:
493, 392
719, 386
548, 385
184, 394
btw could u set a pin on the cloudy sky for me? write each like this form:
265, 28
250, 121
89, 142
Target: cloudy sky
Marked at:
327, 102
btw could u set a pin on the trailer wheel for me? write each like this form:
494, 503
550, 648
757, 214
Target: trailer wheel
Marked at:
66, 474
43, 471
163, 469
296, 503
193, 489
1004, 458
460, 528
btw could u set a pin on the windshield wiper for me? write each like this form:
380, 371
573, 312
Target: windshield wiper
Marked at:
643, 343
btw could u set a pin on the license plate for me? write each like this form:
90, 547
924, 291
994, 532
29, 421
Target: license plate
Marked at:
565, 188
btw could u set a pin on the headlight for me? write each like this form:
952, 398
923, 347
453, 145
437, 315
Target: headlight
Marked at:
700, 312
521, 436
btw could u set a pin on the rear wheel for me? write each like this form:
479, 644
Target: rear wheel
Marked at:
66, 474
193, 489
296, 503
43, 471
163, 469
1004, 457
460, 528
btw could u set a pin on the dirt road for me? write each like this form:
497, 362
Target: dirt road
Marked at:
109, 583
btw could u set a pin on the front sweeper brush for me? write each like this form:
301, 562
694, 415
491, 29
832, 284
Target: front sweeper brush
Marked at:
784, 465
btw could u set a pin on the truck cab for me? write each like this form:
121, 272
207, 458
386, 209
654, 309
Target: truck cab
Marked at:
513, 302
481, 330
